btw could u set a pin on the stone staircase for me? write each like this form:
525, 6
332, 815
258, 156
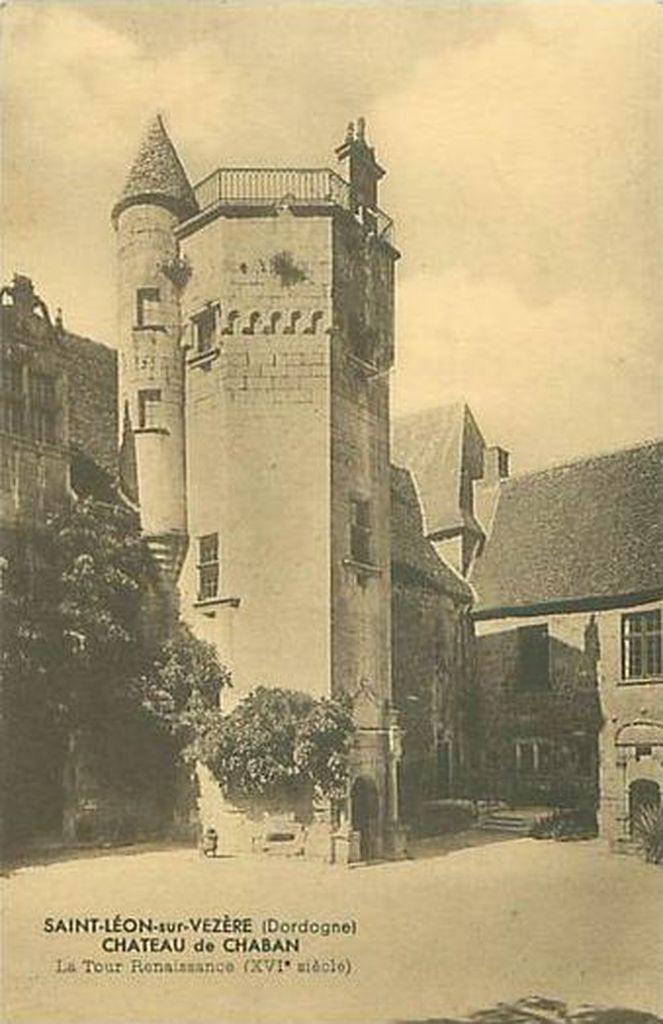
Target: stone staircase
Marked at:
517, 821
505, 823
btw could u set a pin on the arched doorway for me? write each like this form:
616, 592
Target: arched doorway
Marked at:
364, 805
641, 794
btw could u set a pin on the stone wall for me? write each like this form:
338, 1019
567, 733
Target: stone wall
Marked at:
433, 692
432, 670
564, 718
631, 740
360, 469
258, 449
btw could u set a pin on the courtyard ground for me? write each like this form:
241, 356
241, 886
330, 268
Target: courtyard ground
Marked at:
451, 931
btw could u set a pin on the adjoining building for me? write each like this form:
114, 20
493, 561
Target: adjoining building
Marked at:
432, 666
58, 408
568, 623
256, 339
58, 402
450, 470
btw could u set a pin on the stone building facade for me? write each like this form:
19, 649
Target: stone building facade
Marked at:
568, 623
256, 339
58, 407
631, 740
539, 709
432, 666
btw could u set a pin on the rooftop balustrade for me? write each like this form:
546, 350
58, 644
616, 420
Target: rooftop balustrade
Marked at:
265, 186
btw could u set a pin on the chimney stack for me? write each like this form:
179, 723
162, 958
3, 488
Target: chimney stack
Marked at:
495, 464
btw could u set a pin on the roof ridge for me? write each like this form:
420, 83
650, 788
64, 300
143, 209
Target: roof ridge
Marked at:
458, 406
579, 460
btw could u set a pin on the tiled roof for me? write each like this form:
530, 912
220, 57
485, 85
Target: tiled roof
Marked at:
587, 530
157, 174
413, 557
430, 444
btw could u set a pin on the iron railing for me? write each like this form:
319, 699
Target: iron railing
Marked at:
264, 186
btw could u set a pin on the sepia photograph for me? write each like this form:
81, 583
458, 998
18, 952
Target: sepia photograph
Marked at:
331, 465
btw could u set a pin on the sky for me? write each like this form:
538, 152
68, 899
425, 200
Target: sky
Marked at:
524, 148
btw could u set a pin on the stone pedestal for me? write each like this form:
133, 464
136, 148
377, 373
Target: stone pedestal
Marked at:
395, 841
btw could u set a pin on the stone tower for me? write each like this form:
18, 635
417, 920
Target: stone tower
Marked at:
156, 197
257, 339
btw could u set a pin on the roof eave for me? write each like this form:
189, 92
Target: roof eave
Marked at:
593, 602
181, 207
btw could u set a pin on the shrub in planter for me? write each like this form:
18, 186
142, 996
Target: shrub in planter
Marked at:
648, 834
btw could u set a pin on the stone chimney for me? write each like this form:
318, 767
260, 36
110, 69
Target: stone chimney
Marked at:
486, 490
495, 464
364, 170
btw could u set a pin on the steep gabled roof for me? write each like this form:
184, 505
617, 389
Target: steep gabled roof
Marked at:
588, 531
157, 175
413, 557
436, 445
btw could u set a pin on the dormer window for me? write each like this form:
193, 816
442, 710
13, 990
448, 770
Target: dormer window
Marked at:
148, 308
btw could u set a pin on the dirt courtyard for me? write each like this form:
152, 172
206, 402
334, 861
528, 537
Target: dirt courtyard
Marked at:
447, 933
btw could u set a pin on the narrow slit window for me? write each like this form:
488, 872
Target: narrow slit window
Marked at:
360, 531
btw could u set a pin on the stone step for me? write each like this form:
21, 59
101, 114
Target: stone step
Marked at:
504, 823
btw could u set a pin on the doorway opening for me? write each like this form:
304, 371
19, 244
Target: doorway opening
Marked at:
364, 804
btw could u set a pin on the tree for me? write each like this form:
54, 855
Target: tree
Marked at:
79, 629
181, 688
103, 690
280, 743
72, 637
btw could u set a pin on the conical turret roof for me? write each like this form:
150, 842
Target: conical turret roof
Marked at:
157, 175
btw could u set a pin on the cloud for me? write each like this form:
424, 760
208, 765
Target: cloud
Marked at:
78, 96
549, 381
523, 145
533, 155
